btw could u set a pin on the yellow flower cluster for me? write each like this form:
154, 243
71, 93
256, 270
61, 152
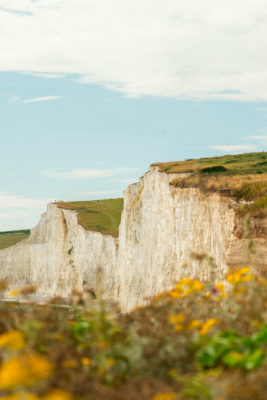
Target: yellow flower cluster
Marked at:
164, 396
26, 369
186, 287
13, 340
85, 361
207, 326
177, 321
203, 327
241, 275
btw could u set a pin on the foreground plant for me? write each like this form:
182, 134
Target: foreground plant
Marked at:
196, 341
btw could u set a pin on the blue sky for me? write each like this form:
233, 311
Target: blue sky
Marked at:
84, 119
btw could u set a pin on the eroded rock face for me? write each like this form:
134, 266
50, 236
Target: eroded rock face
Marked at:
166, 233
60, 256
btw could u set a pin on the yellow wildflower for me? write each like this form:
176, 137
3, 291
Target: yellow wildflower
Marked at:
219, 286
178, 327
186, 287
241, 275
25, 369
177, 321
57, 394
174, 319
110, 362
164, 396
69, 364
85, 361
194, 324
14, 293
207, 326
12, 339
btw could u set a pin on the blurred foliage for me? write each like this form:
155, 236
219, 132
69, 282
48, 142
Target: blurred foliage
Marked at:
196, 341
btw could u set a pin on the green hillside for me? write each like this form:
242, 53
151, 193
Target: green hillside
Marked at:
97, 215
240, 164
10, 238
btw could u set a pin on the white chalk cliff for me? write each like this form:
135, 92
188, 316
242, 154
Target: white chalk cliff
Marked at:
165, 233
60, 256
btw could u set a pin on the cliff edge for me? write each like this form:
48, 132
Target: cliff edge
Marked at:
192, 218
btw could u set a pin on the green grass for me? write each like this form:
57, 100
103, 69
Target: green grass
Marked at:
10, 238
97, 215
247, 163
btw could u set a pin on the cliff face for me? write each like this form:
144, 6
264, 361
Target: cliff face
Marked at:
60, 256
166, 232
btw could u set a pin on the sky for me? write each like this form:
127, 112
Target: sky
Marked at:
94, 91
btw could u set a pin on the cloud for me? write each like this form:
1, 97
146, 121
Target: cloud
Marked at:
258, 137
14, 215
38, 99
47, 76
230, 148
17, 212
83, 173
9, 200
209, 49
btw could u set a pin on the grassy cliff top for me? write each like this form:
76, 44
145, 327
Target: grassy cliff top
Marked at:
241, 164
10, 238
243, 176
97, 215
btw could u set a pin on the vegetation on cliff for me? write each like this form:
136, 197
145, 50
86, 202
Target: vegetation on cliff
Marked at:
243, 177
240, 164
10, 238
201, 342
97, 215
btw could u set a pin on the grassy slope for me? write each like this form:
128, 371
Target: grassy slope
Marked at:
247, 163
243, 176
97, 215
10, 238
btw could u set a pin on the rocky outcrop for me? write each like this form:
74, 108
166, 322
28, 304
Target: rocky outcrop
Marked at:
166, 232
60, 256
